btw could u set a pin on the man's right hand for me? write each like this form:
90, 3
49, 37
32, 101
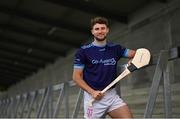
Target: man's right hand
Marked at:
97, 95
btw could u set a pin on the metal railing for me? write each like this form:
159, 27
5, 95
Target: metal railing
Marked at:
48, 102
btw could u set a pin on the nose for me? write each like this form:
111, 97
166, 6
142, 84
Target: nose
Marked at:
100, 30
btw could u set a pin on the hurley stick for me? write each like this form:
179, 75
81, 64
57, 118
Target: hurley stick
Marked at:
141, 59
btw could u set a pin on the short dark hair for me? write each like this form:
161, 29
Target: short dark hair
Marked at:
100, 20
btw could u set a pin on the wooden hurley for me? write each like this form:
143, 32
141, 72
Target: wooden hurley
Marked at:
141, 59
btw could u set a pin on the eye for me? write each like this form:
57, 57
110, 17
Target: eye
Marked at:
96, 29
102, 28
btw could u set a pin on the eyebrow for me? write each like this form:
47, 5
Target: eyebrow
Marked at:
100, 28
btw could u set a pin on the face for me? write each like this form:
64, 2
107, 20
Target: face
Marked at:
100, 31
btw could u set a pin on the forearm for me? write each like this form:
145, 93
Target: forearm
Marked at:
78, 78
131, 53
82, 84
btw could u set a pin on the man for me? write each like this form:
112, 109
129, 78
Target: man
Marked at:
95, 68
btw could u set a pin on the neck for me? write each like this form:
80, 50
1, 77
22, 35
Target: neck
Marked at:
99, 43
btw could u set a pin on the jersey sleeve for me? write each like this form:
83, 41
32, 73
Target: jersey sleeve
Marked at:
79, 60
122, 51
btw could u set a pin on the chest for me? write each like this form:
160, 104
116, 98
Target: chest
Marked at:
101, 56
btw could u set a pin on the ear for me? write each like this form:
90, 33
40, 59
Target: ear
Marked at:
92, 32
107, 30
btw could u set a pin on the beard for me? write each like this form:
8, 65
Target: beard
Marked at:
98, 39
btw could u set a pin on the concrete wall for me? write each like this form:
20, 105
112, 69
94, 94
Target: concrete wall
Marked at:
155, 27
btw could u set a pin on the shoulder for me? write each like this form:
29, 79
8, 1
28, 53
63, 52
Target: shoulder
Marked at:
86, 46
111, 44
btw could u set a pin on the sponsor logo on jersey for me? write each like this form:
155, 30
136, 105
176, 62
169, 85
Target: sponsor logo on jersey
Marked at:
111, 61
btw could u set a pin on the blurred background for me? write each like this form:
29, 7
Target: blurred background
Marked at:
38, 40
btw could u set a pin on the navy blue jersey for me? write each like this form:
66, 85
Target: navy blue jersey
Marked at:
99, 63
